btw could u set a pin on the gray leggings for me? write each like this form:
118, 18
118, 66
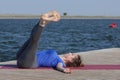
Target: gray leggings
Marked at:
26, 56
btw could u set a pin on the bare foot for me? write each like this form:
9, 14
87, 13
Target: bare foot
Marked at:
52, 16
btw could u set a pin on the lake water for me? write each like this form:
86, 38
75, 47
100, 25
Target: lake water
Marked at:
67, 35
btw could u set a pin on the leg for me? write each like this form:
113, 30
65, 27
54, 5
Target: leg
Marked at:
26, 56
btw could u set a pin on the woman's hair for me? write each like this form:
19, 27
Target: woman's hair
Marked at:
77, 62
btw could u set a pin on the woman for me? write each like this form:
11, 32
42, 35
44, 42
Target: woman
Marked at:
29, 57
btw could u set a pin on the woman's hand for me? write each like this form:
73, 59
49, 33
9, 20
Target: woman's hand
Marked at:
67, 71
62, 69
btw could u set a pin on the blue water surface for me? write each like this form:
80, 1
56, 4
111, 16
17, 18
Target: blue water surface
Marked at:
67, 35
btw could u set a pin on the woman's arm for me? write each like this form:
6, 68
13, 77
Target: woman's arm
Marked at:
62, 69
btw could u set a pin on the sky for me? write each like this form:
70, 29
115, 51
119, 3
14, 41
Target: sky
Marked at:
71, 7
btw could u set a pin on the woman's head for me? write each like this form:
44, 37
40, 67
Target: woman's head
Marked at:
72, 60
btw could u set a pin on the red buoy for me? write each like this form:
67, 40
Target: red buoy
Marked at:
113, 25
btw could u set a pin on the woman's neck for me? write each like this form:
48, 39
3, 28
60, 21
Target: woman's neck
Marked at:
62, 57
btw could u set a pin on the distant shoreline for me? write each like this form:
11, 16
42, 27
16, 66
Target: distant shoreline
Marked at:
63, 17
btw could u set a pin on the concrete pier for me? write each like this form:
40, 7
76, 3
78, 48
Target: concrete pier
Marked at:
109, 56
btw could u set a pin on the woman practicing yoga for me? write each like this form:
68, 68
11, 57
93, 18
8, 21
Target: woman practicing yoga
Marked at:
29, 57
